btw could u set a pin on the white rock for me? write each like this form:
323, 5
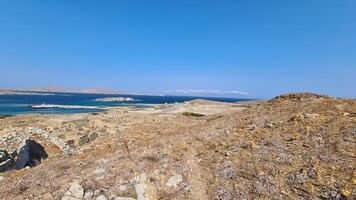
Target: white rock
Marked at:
1, 178
75, 190
122, 187
227, 132
140, 191
88, 194
174, 180
140, 178
124, 198
101, 197
99, 171
145, 191
97, 192
69, 198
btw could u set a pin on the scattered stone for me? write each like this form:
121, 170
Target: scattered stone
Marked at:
122, 187
86, 149
99, 171
124, 198
93, 136
284, 158
174, 180
83, 139
1, 178
101, 197
228, 173
75, 191
145, 191
88, 194
294, 179
140, 178
223, 194
264, 185
97, 192
140, 191
71, 143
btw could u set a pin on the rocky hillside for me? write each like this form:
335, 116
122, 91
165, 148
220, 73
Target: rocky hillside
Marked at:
295, 146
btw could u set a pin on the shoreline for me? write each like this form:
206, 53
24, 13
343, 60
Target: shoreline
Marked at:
183, 144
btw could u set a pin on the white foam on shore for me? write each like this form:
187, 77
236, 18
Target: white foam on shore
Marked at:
44, 106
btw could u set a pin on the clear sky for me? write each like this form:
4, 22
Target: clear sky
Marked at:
260, 47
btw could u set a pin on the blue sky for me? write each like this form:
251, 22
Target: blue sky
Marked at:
258, 47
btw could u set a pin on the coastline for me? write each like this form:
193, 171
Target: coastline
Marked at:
199, 135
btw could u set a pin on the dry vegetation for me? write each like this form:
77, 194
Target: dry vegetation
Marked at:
296, 146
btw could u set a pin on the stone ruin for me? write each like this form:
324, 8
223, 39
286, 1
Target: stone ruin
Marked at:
30, 154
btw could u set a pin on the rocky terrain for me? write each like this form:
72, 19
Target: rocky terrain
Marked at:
295, 146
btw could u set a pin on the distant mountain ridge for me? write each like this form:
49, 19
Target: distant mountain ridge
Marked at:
60, 89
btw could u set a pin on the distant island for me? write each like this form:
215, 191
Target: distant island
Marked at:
11, 92
46, 90
43, 90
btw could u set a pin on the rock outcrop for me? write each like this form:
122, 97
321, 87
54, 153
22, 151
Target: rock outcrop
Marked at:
29, 154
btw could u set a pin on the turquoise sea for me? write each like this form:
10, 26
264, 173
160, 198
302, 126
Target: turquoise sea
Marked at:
20, 104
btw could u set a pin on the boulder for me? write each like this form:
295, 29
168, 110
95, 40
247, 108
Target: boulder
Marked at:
3, 156
6, 165
83, 139
93, 136
29, 154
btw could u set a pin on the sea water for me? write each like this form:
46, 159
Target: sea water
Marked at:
20, 104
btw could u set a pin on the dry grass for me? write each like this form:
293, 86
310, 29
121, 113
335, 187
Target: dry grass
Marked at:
264, 155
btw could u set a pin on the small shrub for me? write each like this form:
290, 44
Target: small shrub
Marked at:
192, 114
151, 158
214, 117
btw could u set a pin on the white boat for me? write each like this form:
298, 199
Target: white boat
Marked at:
44, 106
